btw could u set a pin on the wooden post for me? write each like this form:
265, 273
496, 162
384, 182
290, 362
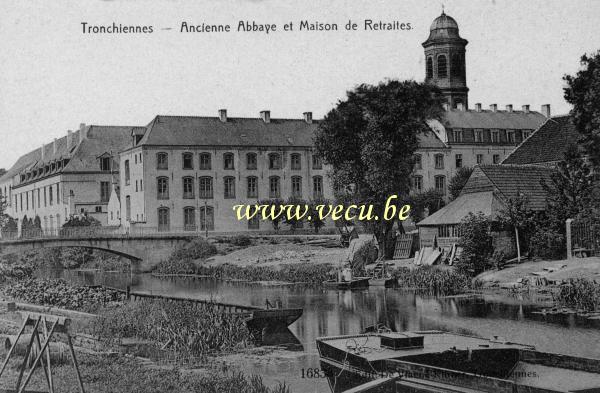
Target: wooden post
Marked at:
27, 352
21, 389
75, 363
518, 246
14, 345
45, 326
569, 240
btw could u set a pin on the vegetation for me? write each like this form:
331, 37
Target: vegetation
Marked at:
118, 374
476, 243
458, 181
61, 294
182, 259
425, 203
580, 294
370, 139
187, 328
14, 268
434, 280
298, 272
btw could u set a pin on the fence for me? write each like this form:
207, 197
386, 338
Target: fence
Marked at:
583, 238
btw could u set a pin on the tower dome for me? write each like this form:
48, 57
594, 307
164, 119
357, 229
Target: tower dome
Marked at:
444, 29
443, 22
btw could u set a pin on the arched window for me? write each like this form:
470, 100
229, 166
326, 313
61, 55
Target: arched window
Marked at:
229, 187
429, 68
274, 161
297, 186
228, 161
189, 219
442, 66
418, 162
164, 220
317, 187
188, 161
252, 187
205, 161
205, 187
162, 188
127, 173
274, 189
296, 161
251, 161
162, 160
207, 218
188, 187
457, 65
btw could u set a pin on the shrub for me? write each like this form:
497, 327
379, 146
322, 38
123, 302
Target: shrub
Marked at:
12, 267
241, 241
199, 248
548, 244
366, 254
580, 293
476, 243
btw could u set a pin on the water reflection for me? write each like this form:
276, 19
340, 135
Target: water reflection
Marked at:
331, 312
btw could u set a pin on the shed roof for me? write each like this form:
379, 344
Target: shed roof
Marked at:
459, 208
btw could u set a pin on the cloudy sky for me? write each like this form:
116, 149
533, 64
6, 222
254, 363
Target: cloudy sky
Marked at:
53, 77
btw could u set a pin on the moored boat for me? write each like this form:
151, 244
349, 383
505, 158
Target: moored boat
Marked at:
435, 361
354, 283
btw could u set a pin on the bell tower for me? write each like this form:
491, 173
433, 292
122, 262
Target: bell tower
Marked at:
445, 61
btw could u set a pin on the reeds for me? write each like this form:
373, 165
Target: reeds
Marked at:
580, 294
298, 273
433, 280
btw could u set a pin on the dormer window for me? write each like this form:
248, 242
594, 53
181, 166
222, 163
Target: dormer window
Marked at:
105, 164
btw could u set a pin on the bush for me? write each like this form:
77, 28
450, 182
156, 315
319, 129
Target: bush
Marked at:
548, 244
476, 243
12, 267
366, 254
241, 241
580, 293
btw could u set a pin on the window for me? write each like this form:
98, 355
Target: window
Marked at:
448, 231
57, 194
510, 135
274, 161
496, 158
418, 162
98, 209
207, 218
128, 208
417, 183
440, 184
21, 200
188, 187
317, 163
495, 136
205, 161
297, 186
189, 219
45, 200
252, 187
429, 67
188, 161
479, 136
136, 186
526, 134
39, 199
458, 135
274, 189
104, 191
228, 161
254, 223
51, 195
135, 158
251, 161
458, 160
456, 66
162, 161
317, 187
439, 161
296, 163
442, 66
229, 187
141, 185
205, 187
105, 164
127, 173
162, 188
479, 158
164, 221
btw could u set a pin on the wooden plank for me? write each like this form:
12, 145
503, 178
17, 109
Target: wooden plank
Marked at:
375, 386
403, 246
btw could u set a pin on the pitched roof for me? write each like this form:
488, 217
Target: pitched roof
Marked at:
459, 208
516, 120
508, 181
211, 131
430, 140
547, 144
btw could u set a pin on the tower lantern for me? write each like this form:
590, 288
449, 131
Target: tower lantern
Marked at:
445, 60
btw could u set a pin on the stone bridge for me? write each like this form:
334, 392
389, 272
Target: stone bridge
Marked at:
144, 251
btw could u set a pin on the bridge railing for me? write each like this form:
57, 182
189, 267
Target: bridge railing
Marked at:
99, 232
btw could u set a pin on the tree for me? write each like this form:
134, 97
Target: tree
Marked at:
583, 92
290, 219
518, 215
571, 189
315, 221
476, 243
428, 202
458, 181
274, 205
370, 139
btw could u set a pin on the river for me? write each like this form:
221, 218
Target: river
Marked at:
331, 312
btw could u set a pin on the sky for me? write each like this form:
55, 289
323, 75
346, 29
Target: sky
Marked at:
53, 77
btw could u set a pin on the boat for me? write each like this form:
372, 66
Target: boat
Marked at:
381, 277
437, 361
354, 283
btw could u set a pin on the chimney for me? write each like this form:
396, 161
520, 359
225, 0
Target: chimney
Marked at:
546, 110
509, 108
525, 108
69, 140
82, 132
265, 116
478, 107
223, 115
494, 108
54, 147
460, 106
43, 152
308, 117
